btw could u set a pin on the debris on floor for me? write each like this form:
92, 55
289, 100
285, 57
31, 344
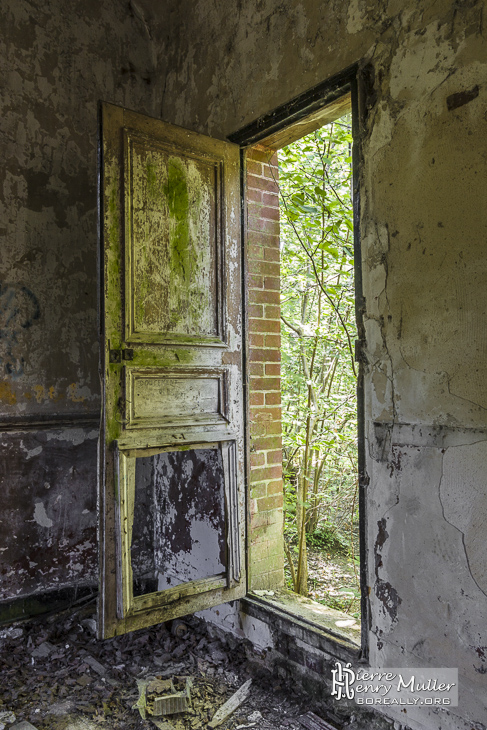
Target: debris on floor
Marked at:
231, 705
6, 717
312, 722
56, 675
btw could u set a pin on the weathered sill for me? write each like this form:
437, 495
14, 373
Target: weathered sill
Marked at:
310, 621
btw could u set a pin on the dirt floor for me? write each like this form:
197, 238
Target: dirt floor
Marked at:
333, 579
55, 674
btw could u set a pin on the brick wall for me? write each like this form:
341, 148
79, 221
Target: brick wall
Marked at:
266, 559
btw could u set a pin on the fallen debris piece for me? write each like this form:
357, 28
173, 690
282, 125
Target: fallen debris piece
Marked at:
163, 724
231, 704
172, 702
24, 725
158, 686
172, 670
255, 716
95, 665
7, 716
43, 650
61, 708
141, 703
11, 633
178, 628
84, 680
90, 624
313, 722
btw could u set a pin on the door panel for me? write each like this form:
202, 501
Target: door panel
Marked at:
172, 518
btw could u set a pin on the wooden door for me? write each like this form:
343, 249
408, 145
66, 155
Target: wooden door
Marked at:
171, 486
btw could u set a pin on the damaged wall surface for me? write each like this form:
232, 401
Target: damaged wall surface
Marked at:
56, 64
423, 175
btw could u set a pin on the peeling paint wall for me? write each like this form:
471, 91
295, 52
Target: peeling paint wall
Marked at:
212, 69
57, 61
423, 229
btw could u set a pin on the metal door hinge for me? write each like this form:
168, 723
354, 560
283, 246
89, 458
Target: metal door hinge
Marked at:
119, 355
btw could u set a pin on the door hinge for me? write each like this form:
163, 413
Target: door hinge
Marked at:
119, 355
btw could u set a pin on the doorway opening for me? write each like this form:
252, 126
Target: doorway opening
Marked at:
318, 369
305, 396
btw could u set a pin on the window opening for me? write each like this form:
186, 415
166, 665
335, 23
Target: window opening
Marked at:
318, 372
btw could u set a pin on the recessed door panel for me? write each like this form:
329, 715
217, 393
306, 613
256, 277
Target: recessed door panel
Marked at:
178, 396
173, 239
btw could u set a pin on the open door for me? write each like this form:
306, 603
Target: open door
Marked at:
171, 486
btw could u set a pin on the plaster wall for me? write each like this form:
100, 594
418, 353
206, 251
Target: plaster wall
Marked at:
423, 176
57, 61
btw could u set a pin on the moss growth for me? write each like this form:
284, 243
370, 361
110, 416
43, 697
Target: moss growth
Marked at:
176, 192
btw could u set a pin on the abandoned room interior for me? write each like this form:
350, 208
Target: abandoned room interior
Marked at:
141, 521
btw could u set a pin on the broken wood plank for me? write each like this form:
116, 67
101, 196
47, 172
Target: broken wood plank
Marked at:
312, 722
231, 704
141, 703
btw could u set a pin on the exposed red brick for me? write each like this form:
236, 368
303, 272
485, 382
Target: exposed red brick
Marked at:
272, 340
273, 369
256, 196
274, 457
254, 167
272, 283
266, 443
273, 398
268, 503
267, 472
257, 459
270, 268
256, 310
265, 383
256, 339
265, 325
255, 252
262, 154
262, 183
273, 311
272, 254
267, 413
268, 240
269, 213
271, 199
258, 355
256, 368
255, 282
256, 399
265, 297
274, 487
262, 224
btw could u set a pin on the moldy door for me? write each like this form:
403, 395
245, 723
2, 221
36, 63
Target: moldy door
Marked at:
171, 486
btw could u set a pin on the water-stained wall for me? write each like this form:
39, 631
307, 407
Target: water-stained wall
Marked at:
213, 68
423, 229
57, 61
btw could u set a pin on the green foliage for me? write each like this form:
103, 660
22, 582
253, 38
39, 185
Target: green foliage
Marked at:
326, 538
318, 331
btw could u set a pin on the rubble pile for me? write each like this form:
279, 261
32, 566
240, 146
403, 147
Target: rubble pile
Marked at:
56, 674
